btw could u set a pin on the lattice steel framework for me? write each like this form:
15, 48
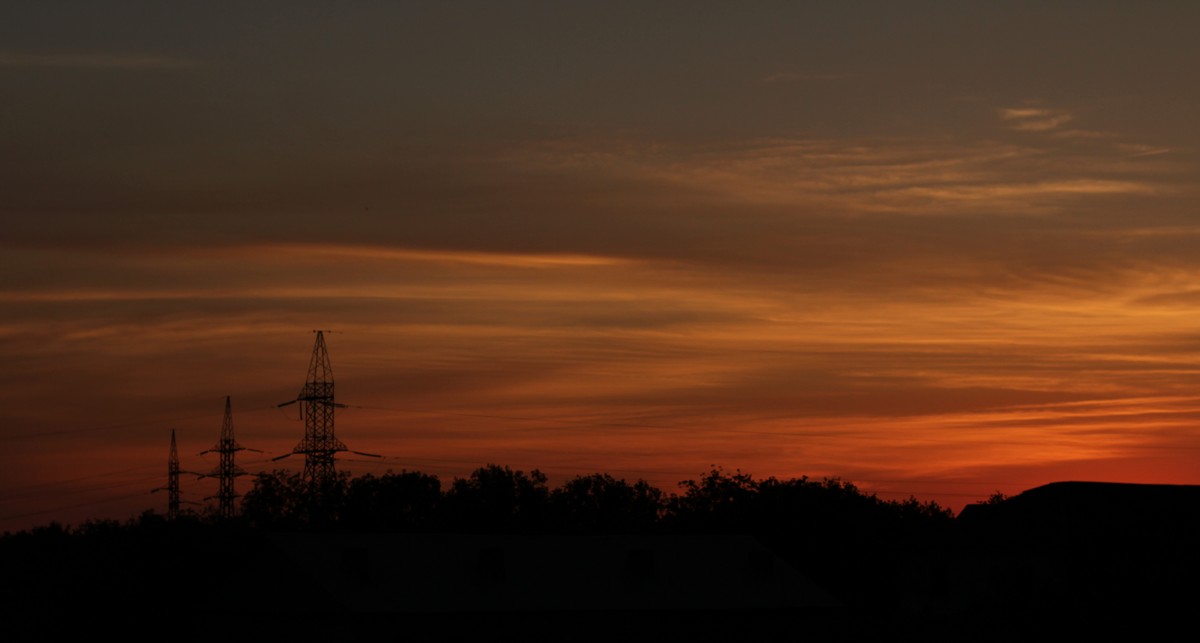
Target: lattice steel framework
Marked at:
226, 470
316, 407
172, 487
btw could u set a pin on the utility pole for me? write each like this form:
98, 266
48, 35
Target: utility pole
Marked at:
226, 471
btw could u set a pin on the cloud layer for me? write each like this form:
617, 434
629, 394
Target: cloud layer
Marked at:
794, 241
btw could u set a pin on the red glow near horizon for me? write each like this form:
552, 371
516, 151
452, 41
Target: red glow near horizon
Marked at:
800, 240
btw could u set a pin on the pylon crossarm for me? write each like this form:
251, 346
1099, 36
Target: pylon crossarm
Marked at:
316, 452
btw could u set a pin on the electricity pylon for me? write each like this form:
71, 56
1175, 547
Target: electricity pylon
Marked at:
316, 408
226, 471
172, 487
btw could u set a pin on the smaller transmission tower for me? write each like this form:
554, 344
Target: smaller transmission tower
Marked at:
226, 470
172, 487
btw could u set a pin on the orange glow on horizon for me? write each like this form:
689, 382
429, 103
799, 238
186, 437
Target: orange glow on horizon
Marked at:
877, 251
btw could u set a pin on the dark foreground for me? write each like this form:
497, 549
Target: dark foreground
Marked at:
1064, 560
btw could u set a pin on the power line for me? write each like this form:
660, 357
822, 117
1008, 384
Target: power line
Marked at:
106, 427
74, 506
14, 492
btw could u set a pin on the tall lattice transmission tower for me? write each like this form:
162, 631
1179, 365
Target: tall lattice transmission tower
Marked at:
226, 470
316, 408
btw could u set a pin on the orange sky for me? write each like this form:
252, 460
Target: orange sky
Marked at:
938, 253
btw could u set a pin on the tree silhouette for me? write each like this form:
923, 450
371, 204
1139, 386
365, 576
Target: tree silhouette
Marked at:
496, 498
282, 499
601, 503
393, 502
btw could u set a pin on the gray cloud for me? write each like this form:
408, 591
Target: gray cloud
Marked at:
98, 61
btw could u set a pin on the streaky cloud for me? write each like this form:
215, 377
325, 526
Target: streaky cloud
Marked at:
797, 77
1031, 119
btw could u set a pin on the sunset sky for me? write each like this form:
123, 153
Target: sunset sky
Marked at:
938, 249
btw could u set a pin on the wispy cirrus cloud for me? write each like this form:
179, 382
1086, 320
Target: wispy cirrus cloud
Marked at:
799, 77
902, 176
1075, 134
1034, 119
1134, 150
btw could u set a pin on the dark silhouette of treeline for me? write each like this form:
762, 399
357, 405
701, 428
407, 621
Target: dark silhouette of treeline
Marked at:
497, 499
153, 562
862, 540
1067, 559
